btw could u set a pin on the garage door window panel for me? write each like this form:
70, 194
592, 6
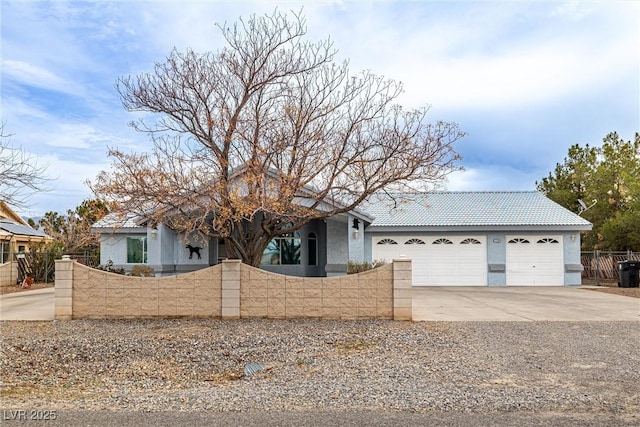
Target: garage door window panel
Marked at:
551, 241
518, 240
442, 242
414, 242
470, 242
387, 242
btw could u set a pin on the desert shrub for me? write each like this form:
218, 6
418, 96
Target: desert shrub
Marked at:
141, 270
358, 267
41, 260
108, 267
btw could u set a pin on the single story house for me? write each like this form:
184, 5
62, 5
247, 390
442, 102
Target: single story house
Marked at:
16, 236
493, 238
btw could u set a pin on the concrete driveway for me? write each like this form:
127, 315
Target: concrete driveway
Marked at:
28, 305
521, 304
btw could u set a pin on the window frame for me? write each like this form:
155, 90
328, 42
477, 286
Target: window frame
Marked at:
277, 243
143, 256
5, 252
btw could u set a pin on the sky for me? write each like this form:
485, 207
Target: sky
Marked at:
525, 80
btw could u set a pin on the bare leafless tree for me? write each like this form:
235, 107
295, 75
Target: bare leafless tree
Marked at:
20, 173
266, 135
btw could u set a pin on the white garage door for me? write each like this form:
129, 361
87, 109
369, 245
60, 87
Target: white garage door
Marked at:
438, 261
535, 261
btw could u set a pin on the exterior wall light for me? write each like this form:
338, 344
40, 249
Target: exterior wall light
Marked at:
154, 233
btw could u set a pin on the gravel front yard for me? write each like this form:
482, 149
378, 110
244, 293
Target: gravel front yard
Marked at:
188, 365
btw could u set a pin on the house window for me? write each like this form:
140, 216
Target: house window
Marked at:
22, 248
283, 250
313, 249
137, 250
4, 252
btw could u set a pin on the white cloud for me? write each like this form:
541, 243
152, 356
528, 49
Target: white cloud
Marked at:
81, 136
18, 108
67, 188
489, 55
33, 75
493, 178
473, 59
573, 10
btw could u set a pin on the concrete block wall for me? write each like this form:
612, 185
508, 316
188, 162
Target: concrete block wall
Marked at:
359, 296
8, 274
233, 290
91, 293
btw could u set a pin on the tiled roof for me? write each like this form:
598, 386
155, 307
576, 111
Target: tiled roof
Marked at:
490, 208
114, 220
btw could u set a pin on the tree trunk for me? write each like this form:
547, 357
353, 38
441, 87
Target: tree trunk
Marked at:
249, 253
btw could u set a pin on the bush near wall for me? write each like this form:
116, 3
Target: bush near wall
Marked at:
354, 267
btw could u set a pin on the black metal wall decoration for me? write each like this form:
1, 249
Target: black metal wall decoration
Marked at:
194, 250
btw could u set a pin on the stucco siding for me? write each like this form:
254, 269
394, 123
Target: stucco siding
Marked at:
573, 265
496, 259
337, 247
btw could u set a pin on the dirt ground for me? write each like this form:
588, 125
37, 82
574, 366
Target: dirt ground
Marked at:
611, 287
12, 289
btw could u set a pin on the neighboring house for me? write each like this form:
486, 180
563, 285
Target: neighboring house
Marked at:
16, 236
453, 239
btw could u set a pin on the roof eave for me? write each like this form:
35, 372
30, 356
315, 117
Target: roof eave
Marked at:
472, 228
118, 230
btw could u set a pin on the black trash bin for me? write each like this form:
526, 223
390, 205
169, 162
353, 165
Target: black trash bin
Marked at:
629, 274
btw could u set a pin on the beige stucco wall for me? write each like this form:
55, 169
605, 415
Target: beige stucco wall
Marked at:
8, 274
233, 290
